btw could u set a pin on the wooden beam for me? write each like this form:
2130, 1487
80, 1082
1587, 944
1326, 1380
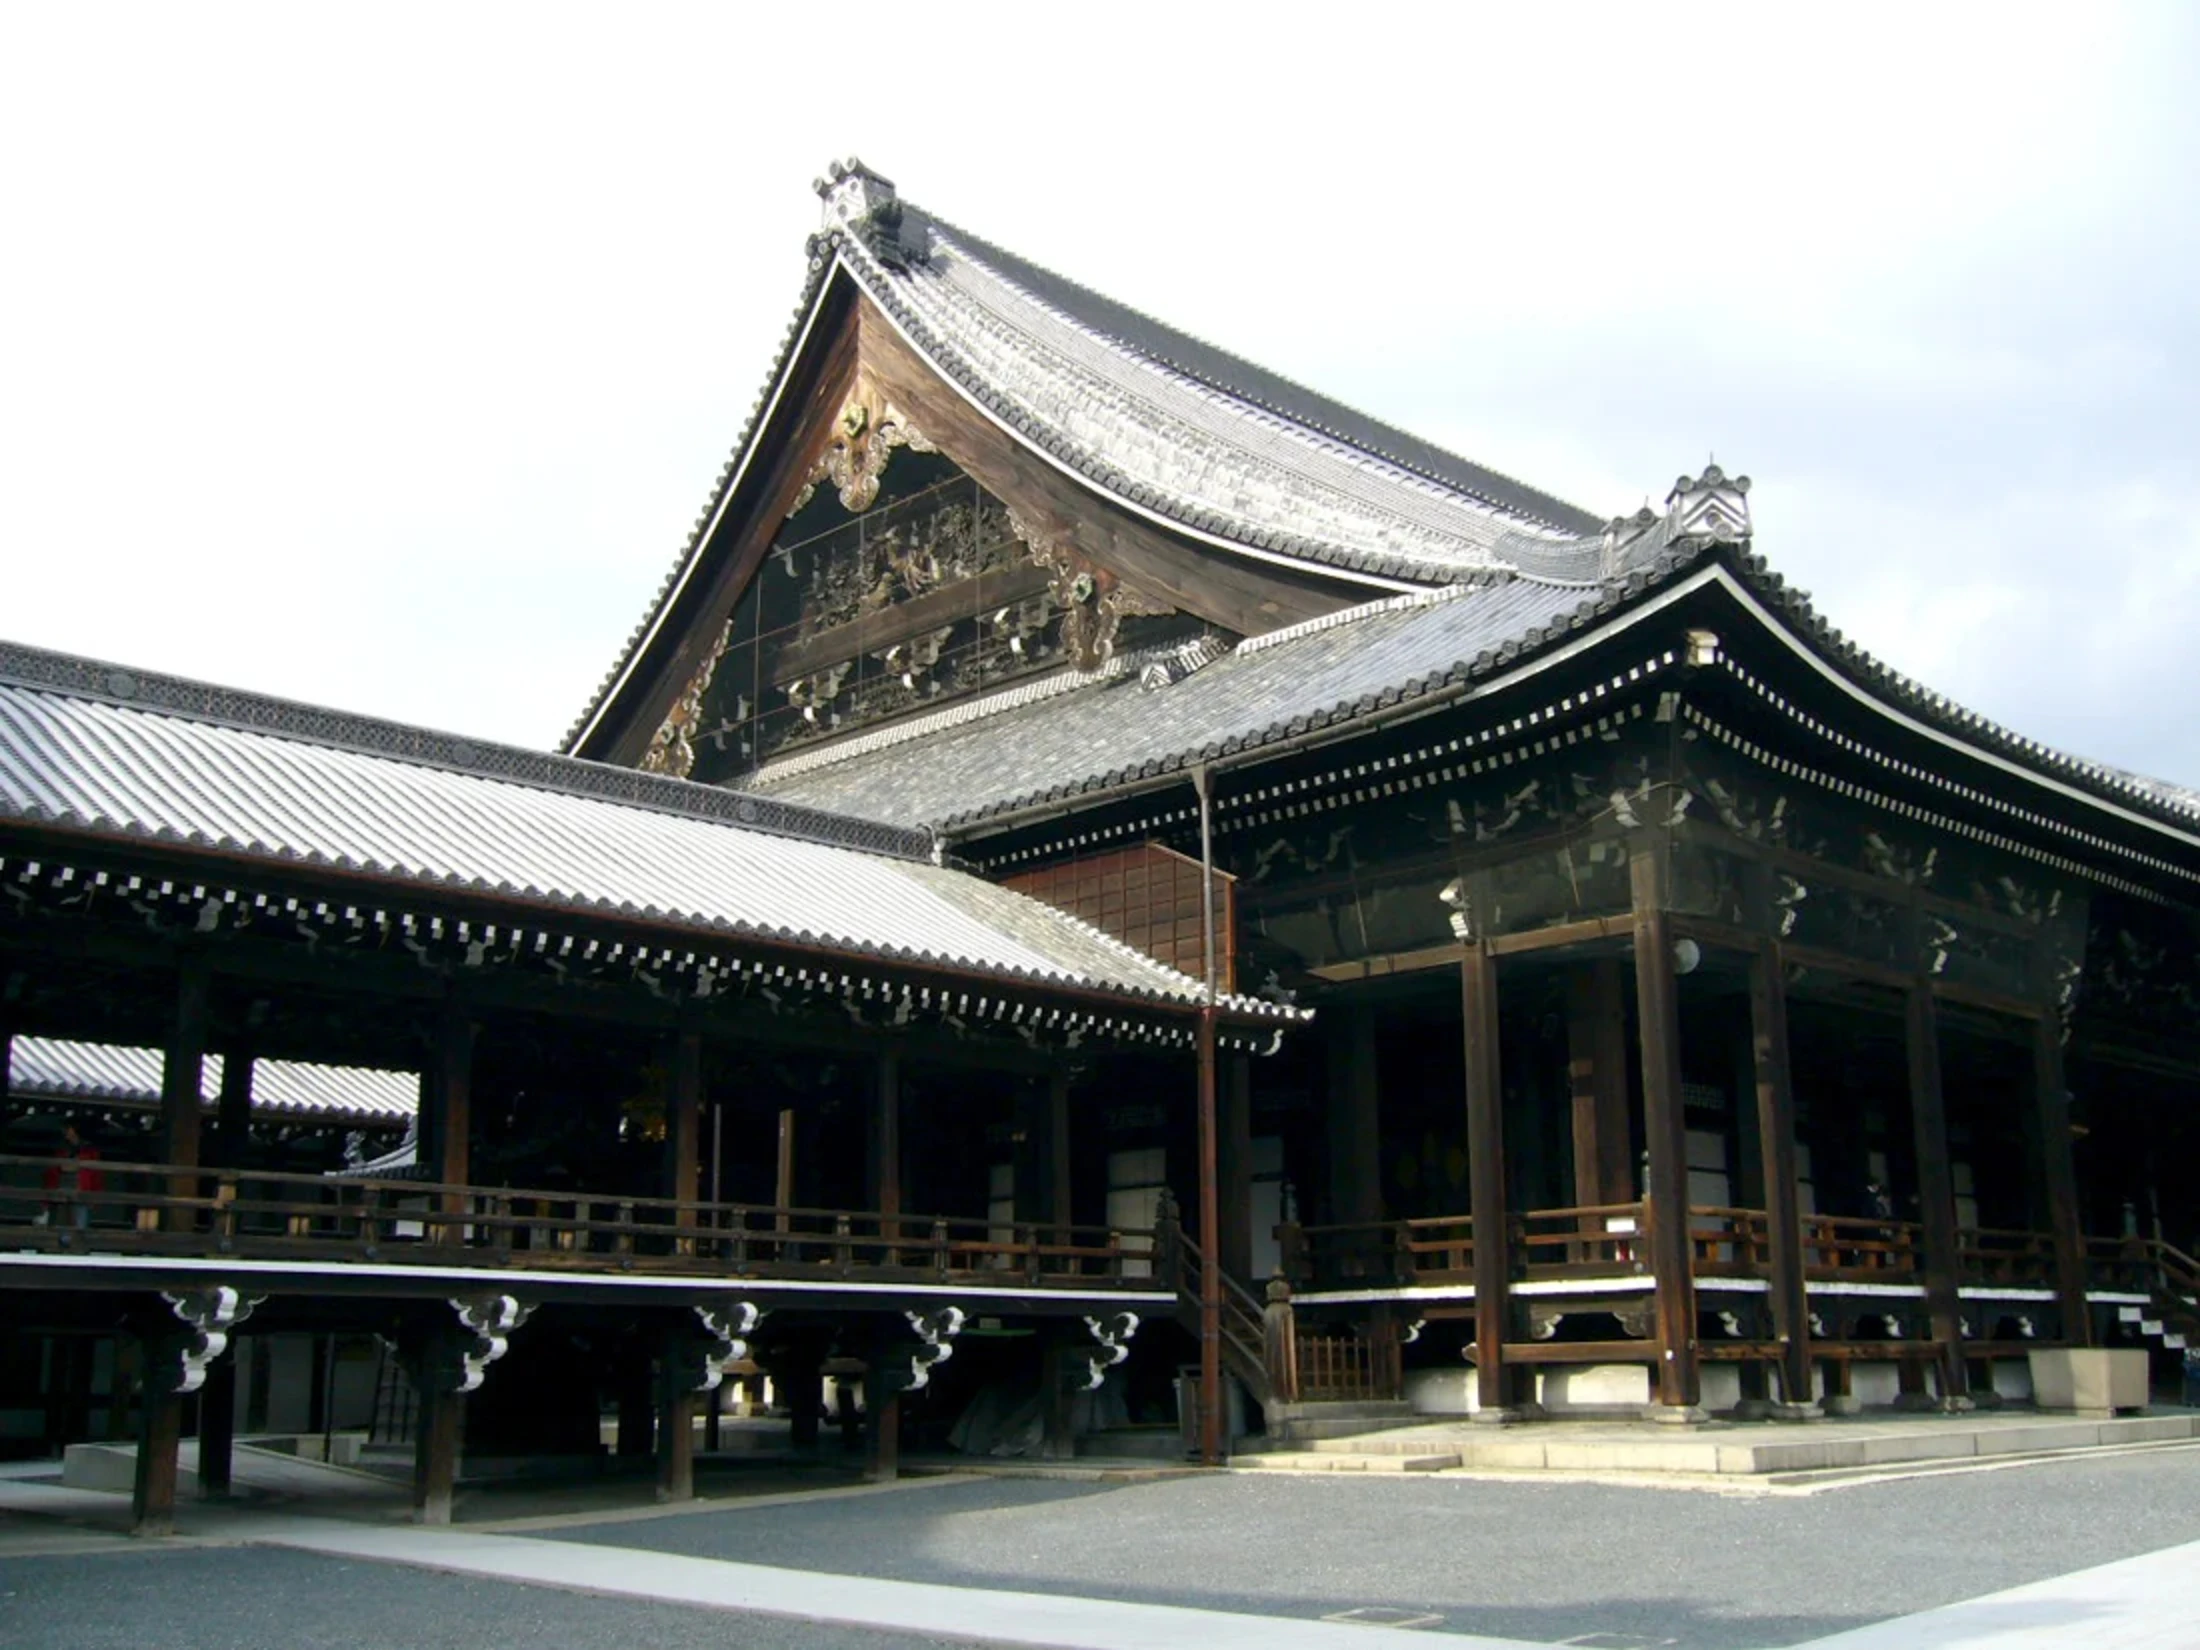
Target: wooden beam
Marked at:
1584, 932
1936, 1194
1776, 1149
935, 609
1665, 1130
2051, 1104
1486, 1177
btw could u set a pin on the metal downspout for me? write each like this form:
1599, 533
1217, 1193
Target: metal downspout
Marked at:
1210, 1214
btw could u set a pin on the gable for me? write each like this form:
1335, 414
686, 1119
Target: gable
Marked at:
907, 553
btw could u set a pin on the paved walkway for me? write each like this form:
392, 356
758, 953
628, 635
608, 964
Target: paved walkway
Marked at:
2146, 1603
2150, 1602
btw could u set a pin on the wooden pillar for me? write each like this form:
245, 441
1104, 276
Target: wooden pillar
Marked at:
183, 1064
2051, 1097
1596, 1065
452, 1094
160, 1435
783, 1181
683, 1120
801, 1382
1235, 1166
1486, 1179
1355, 1119
637, 1409
1061, 1182
1936, 1195
675, 1428
882, 1411
233, 1113
1776, 1152
882, 1164
435, 1451
1212, 1439
218, 1424
1665, 1130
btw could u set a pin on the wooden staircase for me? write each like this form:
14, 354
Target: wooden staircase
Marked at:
1244, 1319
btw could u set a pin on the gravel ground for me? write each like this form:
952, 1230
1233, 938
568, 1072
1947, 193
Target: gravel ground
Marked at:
1546, 1562
259, 1598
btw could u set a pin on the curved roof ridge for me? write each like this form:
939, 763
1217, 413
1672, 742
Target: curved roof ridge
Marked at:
1298, 403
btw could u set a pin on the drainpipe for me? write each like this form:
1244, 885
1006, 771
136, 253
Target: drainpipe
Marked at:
1210, 1214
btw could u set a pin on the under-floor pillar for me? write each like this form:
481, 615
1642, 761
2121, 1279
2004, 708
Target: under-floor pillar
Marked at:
218, 1425
435, 1452
160, 1436
676, 1441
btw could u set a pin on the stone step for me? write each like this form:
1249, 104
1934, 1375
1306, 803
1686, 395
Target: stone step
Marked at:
1340, 1461
1333, 1408
1154, 1443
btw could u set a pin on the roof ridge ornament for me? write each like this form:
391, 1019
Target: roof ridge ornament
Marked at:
863, 203
1712, 508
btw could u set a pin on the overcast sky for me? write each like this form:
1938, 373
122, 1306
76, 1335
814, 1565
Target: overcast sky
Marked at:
381, 357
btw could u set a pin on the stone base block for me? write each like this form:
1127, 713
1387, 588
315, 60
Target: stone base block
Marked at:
2091, 1380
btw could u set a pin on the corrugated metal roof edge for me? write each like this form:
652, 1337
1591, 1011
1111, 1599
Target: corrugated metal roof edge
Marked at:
80, 678
685, 923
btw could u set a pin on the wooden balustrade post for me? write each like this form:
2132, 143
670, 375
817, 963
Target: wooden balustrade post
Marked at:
1776, 1143
1280, 1342
1679, 1387
1936, 1195
2051, 1104
1486, 1182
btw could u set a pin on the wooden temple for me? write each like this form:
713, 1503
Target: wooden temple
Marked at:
1091, 834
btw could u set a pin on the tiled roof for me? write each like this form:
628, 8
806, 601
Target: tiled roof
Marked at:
101, 749
1337, 673
1167, 423
51, 1067
1328, 672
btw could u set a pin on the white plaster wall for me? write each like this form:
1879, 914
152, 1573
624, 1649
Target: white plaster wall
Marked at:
1593, 1386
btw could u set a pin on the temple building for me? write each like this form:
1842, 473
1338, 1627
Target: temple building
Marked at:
1100, 860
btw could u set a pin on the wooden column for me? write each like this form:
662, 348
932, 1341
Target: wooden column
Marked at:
1596, 1066
675, 1429
1355, 1119
882, 1401
160, 1433
882, 1406
435, 1452
182, 1072
1665, 1130
218, 1424
2051, 1098
1061, 1181
1486, 1179
1776, 1152
1235, 1152
233, 1113
1212, 1429
783, 1179
684, 1120
452, 1094
1936, 1195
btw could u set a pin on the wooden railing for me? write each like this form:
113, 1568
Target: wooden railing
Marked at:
1993, 1255
1590, 1241
170, 1209
1244, 1329
1862, 1248
1348, 1367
